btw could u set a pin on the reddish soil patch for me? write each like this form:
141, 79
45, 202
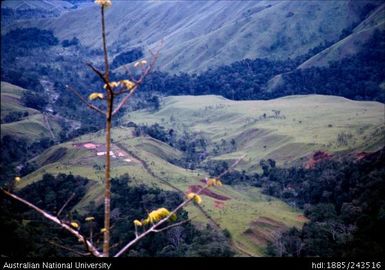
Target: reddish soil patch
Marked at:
89, 145
317, 157
209, 193
302, 218
219, 204
361, 155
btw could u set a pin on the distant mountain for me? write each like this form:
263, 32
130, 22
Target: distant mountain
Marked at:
13, 10
204, 34
351, 44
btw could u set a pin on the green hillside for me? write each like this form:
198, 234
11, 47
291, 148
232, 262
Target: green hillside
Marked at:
202, 34
303, 125
32, 127
144, 159
287, 129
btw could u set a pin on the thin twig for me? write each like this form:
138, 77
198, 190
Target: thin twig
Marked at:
54, 219
65, 204
232, 166
138, 82
170, 226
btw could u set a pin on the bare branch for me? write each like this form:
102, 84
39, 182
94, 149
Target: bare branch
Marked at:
82, 99
171, 226
65, 204
123, 101
232, 166
132, 78
138, 82
54, 219
97, 71
102, 77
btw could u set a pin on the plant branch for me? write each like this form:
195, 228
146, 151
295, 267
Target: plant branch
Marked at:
107, 69
154, 227
171, 226
82, 99
65, 204
54, 219
138, 82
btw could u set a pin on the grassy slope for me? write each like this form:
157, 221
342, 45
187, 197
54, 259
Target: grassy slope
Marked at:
202, 34
34, 126
151, 168
215, 117
352, 44
305, 124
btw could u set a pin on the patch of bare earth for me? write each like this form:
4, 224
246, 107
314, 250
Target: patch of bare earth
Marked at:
316, 158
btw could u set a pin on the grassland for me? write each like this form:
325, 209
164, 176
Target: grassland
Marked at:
287, 129
202, 34
149, 166
303, 125
33, 127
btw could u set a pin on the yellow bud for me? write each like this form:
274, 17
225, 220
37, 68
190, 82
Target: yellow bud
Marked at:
128, 84
213, 182
94, 96
112, 85
104, 3
17, 179
137, 223
140, 63
75, 225
195, 197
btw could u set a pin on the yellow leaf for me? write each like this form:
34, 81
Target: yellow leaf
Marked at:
158, 215
213, 182
94, 96
88, 219
103, 230
112, 85
137, 223
75, 225
195, 197
128, 84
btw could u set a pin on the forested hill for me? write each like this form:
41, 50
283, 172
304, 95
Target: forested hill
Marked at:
359, 77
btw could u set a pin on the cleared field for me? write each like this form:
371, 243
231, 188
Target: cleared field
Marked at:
291, 128
34, 126
286, 129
